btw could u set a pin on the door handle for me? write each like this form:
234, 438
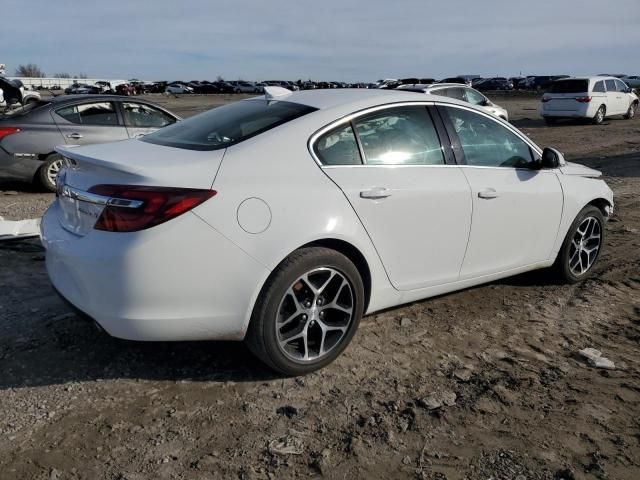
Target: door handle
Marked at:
139, 135
375, 193
488, 193
74, 135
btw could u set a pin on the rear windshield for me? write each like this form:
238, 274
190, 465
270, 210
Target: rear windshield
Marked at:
227, 125
570, 86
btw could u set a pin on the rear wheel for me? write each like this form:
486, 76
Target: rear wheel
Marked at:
581, 246
632, 111
48, 172
598, 118
308, 311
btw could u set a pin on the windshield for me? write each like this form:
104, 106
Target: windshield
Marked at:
570, 86
227, 125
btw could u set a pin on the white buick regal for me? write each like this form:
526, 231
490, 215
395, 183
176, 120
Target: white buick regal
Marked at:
282, 219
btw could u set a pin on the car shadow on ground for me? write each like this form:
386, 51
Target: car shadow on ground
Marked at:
17, 186
540, 123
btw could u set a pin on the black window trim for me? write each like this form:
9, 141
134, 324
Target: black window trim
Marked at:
456, 145
116, 108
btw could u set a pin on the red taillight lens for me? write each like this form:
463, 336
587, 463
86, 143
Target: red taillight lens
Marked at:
159, 204
583, 99
5, 131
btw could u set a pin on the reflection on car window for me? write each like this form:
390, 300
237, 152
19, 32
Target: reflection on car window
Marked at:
338, 147
102, 113
399, 136
487, 143
140, 115
474, 97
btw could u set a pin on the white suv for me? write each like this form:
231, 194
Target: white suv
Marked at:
594, 98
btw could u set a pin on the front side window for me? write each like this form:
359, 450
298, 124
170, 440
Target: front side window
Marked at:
399, 136
228, 125
338, 147
487, 143
475, 98
457, 93
611, 85
102, 113
621, 86
144, 116
599, 86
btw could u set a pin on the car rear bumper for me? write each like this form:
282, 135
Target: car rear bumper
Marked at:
181, 280
581, 111
18, 167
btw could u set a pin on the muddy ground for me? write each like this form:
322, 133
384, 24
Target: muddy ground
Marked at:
480, 384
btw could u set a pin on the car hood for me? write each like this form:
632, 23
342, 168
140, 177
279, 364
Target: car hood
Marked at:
134, 162
571, 168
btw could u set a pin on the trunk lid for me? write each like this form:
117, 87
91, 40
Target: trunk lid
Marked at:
129, 162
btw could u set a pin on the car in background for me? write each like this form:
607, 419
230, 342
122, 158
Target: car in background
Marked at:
15, 93
178, 88
29, 135
632, 80
496, 83
460, 80
246, 87
460, 92
593, 98
543, 82
196, 232
3, 103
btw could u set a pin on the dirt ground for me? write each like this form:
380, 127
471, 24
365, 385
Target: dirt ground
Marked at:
481, 384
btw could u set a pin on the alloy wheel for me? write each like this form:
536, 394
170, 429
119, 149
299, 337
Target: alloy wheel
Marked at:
585, 246
315, 314
53, 169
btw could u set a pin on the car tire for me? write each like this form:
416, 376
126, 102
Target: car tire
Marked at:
598, 118
48, 171
632, 111
297, 315
581, 247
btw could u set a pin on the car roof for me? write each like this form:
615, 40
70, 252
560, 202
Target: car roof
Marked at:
347, 97
61, 99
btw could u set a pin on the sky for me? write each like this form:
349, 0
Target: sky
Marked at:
332, 40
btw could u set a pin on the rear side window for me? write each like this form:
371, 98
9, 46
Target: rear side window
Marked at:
101, 113
399, 136
570, 86
599, 86
338, 147
228, 125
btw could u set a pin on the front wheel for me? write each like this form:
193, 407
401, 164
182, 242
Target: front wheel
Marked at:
307, 312
581, 246
632, 111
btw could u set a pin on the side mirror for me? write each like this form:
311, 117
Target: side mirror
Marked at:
551, 158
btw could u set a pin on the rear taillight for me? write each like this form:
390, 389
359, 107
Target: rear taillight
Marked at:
545, 99
142, 207
6, 131
583, 99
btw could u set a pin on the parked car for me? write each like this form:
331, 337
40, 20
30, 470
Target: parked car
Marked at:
593, 98
3, 103
543, 82
460, 92
246, 87
28, 136
460, 80
497, 83
178, 88
632, 80
219, 243
15, 93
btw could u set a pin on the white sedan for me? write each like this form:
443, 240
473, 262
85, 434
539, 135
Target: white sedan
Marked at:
282, 219
178, 88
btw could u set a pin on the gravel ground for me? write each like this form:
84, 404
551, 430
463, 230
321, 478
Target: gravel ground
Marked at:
479, 384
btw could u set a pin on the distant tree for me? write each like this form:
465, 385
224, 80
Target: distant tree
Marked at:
61, 75
219, 79
82, 75
29, 70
